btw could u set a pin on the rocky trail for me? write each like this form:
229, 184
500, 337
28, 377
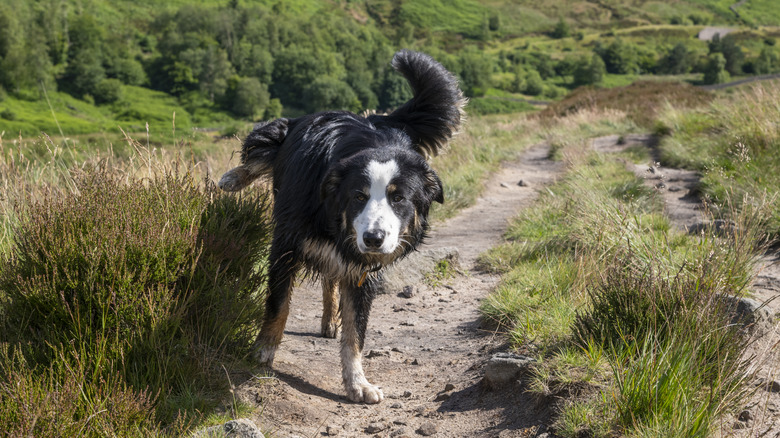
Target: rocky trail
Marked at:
428, 351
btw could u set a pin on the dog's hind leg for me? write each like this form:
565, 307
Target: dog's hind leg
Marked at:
330, 308
355, 306
281, 276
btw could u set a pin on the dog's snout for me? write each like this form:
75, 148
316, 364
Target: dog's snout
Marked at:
374, 239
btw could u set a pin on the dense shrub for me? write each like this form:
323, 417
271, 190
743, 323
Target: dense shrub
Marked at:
679, 60
715, 71
108, 91
619, 57
534, 85
246, 97
132, 288
8, 115
589, 72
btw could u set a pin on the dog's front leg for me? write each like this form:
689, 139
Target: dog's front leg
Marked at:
355, 307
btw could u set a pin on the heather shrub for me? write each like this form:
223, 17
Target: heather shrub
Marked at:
131, 290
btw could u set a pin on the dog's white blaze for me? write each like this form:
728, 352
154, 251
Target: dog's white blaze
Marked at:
378, 215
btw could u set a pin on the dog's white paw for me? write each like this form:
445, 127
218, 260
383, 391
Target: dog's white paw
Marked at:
365, 393
265, 355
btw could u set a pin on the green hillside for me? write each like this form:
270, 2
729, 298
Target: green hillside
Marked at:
106, 64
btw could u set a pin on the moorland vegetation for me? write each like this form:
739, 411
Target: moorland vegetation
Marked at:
117, 278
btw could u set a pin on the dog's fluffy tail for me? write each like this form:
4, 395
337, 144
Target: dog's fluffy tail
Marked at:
257, 155
435, 112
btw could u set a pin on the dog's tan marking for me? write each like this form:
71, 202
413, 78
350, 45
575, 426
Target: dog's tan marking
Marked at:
357, 387
271, 335
330, 308
391, 188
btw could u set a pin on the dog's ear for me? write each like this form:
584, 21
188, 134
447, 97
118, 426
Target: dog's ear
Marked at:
330, 183
433, 187
435, 112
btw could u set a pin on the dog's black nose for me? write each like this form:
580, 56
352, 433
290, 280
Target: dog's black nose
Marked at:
374, 239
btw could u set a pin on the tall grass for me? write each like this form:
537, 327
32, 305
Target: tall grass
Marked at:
595, 268
121, 295
735, 144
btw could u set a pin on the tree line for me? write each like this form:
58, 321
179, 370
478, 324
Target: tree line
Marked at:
252, 60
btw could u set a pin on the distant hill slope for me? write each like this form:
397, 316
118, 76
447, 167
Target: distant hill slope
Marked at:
218, 61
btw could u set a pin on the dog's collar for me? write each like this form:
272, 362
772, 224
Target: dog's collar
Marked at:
365, 274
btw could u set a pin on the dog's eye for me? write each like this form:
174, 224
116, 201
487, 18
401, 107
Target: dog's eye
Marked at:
398, 198
360, 197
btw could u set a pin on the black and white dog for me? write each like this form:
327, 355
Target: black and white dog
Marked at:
351, 195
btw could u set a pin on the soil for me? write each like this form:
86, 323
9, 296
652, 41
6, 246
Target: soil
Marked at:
428, 352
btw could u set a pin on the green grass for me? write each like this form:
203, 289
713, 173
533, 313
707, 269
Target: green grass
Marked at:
138, 107
498, 105
455, 16
622, 308
734, 143
119, 315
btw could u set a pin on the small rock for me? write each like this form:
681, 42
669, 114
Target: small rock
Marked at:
675, 189
408, 291
660, 185
407, 394
377, 353
375, 427
449, 387
745, 416
750, 313
522, 183
401, 431
772, 386
396, 349
543, 435
427, 429
400, 422
441, 397
504, 368
396, 406
407, 323
505, 185
415, 362
241, 428
332, 431
771, 407
740, 425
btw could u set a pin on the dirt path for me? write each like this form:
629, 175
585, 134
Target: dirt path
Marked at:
426, 352
760, 416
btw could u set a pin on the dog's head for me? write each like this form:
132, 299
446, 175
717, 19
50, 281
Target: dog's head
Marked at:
379, 200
